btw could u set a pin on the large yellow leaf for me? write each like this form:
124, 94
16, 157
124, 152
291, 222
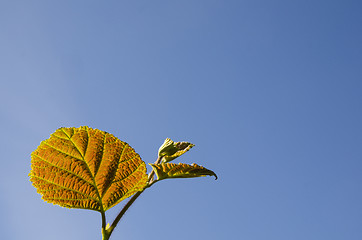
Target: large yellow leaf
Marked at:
181, 170
86, 168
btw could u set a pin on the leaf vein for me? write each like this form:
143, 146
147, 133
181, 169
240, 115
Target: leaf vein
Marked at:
57, 149
65, 188
136, 170
115, 173
66, 170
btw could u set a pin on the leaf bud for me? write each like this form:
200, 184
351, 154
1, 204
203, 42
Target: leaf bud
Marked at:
170, 150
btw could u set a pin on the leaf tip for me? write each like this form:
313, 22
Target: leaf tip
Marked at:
215, 176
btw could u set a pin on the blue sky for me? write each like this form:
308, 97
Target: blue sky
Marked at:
270, 92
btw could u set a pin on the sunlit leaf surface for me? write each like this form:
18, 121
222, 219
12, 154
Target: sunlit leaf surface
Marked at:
86, 168
170, 150
181, 170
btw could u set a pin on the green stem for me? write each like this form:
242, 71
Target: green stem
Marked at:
123, 211
105, 235
150, 176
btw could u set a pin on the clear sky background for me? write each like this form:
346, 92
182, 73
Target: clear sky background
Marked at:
270, 92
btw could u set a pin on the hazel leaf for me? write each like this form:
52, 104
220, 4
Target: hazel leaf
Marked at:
181, 170
86, 168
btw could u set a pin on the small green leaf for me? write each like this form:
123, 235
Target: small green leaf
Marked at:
171, 150
181, 170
